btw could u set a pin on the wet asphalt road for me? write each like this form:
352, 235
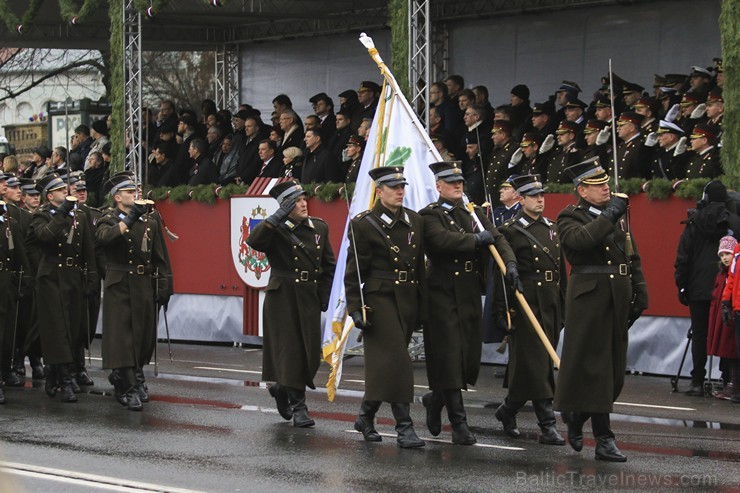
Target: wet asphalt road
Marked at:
211, 426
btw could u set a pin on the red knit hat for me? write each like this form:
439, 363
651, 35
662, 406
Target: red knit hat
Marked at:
727, 244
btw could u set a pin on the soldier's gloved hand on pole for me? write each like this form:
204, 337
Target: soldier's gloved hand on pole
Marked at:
603, 136
699, 111
66, 207
359, 323
512, 275
616, 209
502, 322
284, 211
673, 113
547, 144
516, 158
651, 139
134, 214
484, 238
683, 297
727, 312
635, 312
680, 147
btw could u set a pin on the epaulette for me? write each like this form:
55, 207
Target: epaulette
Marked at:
317, 219
432, 205
362, 214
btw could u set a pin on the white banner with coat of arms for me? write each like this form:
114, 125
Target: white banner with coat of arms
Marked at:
246, 213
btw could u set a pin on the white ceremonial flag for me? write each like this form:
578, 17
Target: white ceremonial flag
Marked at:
396, 138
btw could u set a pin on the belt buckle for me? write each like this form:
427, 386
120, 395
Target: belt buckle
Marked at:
468, 266
69, 261
304, 276
403, 276
549, 276
140, 269
622, 269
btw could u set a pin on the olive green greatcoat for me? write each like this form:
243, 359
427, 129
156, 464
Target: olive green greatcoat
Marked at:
594, 357
65, 247
135, 269
291, 349
529, 373
93, 302
453, 334
397, 305
13, 261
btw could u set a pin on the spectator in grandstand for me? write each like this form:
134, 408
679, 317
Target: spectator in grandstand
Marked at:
167, 114
481, 99
704, 156
669, 160
520, 112
161, 169
289, 123
349, 103
323, 106
248, 166
292, 160
81, 142
341, 134
94, 174
364, 129
227, 161
700, 79
312, 123
368, 95
721, 331
447, 109
319, 165
10, 164
203, 170
38, 168
214, 137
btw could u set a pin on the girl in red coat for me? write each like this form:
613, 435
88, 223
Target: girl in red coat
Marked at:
723, 338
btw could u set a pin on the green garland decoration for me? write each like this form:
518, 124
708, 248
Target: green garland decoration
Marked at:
115, 62
231, 189
691, 189
659, 189
67, 9
12, 21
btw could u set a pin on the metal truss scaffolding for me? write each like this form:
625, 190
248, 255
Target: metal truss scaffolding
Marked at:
132, 90
227, 77
420, 65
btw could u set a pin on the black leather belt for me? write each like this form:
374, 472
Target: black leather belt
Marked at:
398, 276
620, 269
62, 261
466, 267
297, 275
131, 269
547, 276
5, 266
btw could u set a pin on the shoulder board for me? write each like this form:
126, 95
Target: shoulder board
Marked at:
362, 214
316, 219
547, 221
433, 205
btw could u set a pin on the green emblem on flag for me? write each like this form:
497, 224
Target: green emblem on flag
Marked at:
398, 156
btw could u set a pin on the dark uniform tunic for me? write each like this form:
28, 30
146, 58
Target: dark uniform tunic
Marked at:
632, 159
93, 305
542, 271
498, 170
13, 261
561, 159
703, 164
135, 269
597, 306
453, 334
300, 283
27, 329
66, 248
392, 270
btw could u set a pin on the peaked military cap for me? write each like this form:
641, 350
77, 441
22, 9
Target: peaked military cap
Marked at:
572, 101
715, 95
28, 186
501, 126
528, 184
692, 97
587, 172
629, 87
13, 181
322, 96
531, 138
545, 108
118, 183
630, 117
710, 132
388, 175
569, 86
697, 71
356, 140
593, 126
348, 94
669, 127
448, 172
283, 191
49, 183
508, 182
603, 102
567, 126
368, 84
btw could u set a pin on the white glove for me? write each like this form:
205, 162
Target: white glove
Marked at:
344, 155
516, 158
680, 147
547, 144
603, 136
699, 111
673, 113
652, 139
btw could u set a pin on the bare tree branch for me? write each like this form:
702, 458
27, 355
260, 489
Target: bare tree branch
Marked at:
10, 94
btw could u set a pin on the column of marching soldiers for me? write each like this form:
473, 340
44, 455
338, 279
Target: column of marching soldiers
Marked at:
55, 254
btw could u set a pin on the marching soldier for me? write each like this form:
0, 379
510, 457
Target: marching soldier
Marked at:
134, 280
61, 233
386, 254
534, 240
606, 294
453, 335
301, 272
15, 283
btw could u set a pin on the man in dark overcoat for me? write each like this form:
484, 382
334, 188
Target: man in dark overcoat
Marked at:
456, 249
386, 255
606, 294
135, 279
15, 282
536, 245
301, 272
61, 233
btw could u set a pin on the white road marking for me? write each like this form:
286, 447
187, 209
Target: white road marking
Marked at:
90, 480
227, 369
440, 440
672, 408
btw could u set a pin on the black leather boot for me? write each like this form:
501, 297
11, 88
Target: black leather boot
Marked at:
280, 395
133, 402
606, 447
141, 387
20, 364
404, 426
37, 369
506, 413
10, 378
574, 420
81, 375
72, 368
65, 383
365, 422
119, 389
433, 402
297, 399
546, 421
461, 434
50, 375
